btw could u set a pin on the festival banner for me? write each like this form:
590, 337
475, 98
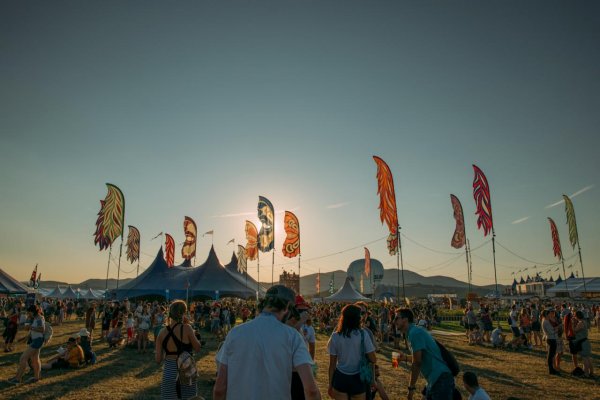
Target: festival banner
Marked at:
318, 283
367, 262
188, 250
169, 250
458, 239
481, 194
242, 265
555, 239
251, 241
266, 215
111, 218
387, 203
571, 221
33, 278
291, 245
133, 244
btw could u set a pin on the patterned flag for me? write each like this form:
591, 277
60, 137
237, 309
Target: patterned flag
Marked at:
208, 233
33, 280
367, 262
188, 251
39, 278
133, 244
169, 250
291, 245
573, 236
231, 241
242, 265
555, 239
266, 215
251, 241
318, 283
111, 218
481, 194
387, 203
458, 239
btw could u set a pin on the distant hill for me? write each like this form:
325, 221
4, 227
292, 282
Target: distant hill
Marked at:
97, 284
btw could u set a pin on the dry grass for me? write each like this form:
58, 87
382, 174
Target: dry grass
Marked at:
124, 374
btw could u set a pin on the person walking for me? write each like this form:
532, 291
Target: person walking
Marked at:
551, 338
345, 350
257, 357
173, 340
426, 359
582, 344
32, 353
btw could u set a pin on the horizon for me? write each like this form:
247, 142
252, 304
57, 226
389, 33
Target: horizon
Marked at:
198, 109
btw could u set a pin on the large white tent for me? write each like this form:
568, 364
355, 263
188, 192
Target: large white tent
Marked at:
346, 294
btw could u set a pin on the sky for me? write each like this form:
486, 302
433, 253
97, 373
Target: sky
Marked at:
195, 108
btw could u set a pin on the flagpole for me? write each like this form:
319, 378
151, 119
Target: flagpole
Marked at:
299, 255
581, 263
401, 264
119, 265
468, 268
138, 267
258, 273
108, 266
273, 267
562, 260
494, 256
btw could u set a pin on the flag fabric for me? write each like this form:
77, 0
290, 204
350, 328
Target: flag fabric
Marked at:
367, 262
481, 194
33, 278
157, 236
459, 237
242, 265
387, 203
266, 215
208, 233
188, 250
571, 221
291, 245
169, 250
251, 241
37, 282
555, 239
133, 244
318, 283
231, 241
111, 218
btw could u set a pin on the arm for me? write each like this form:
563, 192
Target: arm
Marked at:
220, 388
311, 350
192, 338
415, 371
159, 350
311, 391
332, 365
372, 357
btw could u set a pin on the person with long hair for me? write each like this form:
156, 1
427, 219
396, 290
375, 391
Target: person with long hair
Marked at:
548, 319
584, 348
175, 338
345, 352
32, 353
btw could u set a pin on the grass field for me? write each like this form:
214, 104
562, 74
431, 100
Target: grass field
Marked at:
124, 374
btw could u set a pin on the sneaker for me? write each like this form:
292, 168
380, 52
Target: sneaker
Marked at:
14, 381
32, 380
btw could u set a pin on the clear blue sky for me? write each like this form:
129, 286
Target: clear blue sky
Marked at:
197, 108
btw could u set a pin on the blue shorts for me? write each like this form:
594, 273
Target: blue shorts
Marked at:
349, 384
37, 343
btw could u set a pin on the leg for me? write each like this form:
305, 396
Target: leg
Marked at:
36, 364
551, 355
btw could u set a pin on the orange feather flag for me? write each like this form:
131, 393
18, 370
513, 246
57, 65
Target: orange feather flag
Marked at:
387, 203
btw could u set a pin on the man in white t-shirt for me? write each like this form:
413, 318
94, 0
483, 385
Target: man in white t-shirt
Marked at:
472, 386
257, 358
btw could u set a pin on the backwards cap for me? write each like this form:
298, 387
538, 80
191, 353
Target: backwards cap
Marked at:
281, 292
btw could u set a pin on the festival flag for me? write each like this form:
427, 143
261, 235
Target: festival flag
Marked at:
387, 203
39, 279
367, 262
188, 251
458, 239
208, 233
573, 236
318, 282
169, 250
481, 194
33, 280
266, 215
133, 244
251, 241
231, 241
111, 218
555, 239
291, 245
242, 265
160, 234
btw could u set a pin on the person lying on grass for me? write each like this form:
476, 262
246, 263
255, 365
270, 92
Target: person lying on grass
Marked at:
72, 357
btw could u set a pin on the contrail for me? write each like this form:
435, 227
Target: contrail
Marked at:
577, 193
518, 221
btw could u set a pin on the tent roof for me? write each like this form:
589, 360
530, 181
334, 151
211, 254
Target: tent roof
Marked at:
69, 293
9, 285
241, 277
90, 295
56, 293
347, 294
576, 285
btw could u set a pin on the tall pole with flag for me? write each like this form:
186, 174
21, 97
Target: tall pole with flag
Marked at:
388, 213
291, 244
110, 224
573, 233
459, 238
266, 236
133, 246
252, 250
483, 203
557, 249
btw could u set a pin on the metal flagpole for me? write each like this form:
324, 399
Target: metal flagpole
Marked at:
257, 273
494, 255
581, 263
138, 267
401, 265
299, 273
119, 264
564, 272
108, 266
468, 267
273, 267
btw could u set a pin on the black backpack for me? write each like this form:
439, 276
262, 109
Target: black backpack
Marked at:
449, 359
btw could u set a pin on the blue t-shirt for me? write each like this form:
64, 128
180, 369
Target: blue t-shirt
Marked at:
432, 363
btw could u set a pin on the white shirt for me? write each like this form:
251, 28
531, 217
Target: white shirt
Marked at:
514, 317
479, 394
260, 356
348, 351
309, 334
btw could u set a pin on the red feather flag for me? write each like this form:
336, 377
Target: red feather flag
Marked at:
555, 239
251, 241
387, 203
481, 194
367, 262
169, 250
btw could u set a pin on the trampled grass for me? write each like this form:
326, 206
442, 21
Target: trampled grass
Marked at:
124, 374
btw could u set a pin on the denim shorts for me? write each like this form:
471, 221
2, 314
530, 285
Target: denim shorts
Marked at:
349, 384
37, 343
443, 388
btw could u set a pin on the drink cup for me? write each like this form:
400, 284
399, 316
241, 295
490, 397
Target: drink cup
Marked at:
395, 356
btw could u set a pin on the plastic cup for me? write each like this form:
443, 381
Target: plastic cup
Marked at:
395, 356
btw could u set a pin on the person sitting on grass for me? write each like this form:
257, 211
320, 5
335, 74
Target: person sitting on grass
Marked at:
475, 337
72, 357
518, 342
472, 386
115, 336
498, 338
85, 341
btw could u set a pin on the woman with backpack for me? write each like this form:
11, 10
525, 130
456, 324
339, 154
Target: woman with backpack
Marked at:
174, 345
32, 353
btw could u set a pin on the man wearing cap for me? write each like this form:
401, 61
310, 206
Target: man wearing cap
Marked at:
257, 358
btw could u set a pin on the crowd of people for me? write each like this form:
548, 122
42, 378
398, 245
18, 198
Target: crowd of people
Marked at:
283, 327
